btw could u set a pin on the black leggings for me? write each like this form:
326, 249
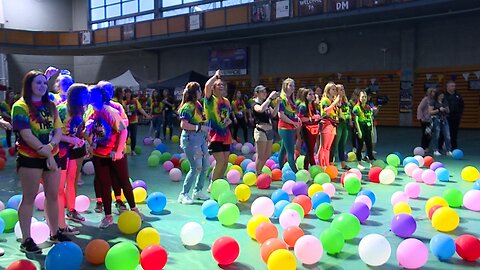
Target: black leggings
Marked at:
242, 124
168, 122
132, 133
106, 170
310, 141
367, 139
425, 142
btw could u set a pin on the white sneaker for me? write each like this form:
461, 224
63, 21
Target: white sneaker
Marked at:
185, 199
449, 153
374, 152
436, 153
209, 186
199, 195
360, 167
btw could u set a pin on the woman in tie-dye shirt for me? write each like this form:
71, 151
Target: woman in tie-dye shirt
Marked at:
328, 107
35, 119
6, 111
132, 108
239, 116
344, 123
217, 110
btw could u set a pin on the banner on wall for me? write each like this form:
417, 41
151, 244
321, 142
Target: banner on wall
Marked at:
342, 5
282, 9
194, 22
310, 7
261, 12
129, 31
231, 61
406, 102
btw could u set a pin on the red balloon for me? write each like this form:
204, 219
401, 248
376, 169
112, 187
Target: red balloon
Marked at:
432, 210
11, 151
374, 174
277, 175
468, 247
22, 265
153, 257
263, 181
427, 161
239, 160
225, 250
291, 235
304, 202
175, 162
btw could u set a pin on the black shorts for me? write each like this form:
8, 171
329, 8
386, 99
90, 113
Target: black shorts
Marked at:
62, 162
216, 147
76, 153
34, 163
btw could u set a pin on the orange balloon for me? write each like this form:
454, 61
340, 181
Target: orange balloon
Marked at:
265, 231
427, 161
239, 160
269, 246
291, 235
277, 175
332, 171
305, 202
96, 251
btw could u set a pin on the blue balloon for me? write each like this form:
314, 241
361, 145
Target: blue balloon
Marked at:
2, 225
210, 209
276, 154
279, 195
443, 174
457, 154
245, 163
14, 201
399, 155
442, 246
250, 170
162, 148
177, 155
319, 198
286, 167
64, 255
368, 193
274, 158
289, 175
476, 185
410, 160
279, 206
156, 201
4, 143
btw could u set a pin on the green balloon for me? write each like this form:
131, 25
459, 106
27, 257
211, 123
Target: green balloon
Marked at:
138, 149
380, 163
332, 241
393, 160
153, 161
228, 214
453, 196
185, 165
228, 168
10, 218
324, 211
227, 197
353, 185
321, 178
157, 153
315, 170
267, 170
164, 157
122, 256
218, 187
297, 207
300, 162
302, 176
393, 169
348, 224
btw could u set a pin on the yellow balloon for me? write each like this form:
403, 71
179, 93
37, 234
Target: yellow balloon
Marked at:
238, 168
402, 207
148, 236
436, 200
128, 149
167, 130
470, 174
254, 222
275, 147
242, 192
281, 259
175, 139
122, 196
232, 158
139, 194
250, 179
128, 140
445, 219
129, 222
314, 188
351, 156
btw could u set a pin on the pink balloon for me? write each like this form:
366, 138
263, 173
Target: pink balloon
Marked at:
40, 201
211, 159
420, 160
168, 165
289, 218
471, 200
329, 188
308, 249
233, 177
287, 186
417, 175
399, 196
252, 166
413, 190
357, 172
254, 157
262, 206
412, 253
409, 168
429, 177
270, 163
238, 146
82, 203
40, 188
364, 199
175, 174
183, 155
40, 232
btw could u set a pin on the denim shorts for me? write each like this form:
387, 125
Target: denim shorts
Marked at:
193, 139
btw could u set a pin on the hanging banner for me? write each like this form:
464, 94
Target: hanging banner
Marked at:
477, 74
440, 77
339, 76
229, 61
195, 22
310, 7
373, 80
465, 75
261, 12
342, 5
428, 76
282, 9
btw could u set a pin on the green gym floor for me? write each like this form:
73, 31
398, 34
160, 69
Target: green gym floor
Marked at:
199, 257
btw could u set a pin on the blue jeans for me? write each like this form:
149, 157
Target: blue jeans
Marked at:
441, 125
194, 144
157, 122
287, 148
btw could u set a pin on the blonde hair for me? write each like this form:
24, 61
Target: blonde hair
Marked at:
285, 85
326, 90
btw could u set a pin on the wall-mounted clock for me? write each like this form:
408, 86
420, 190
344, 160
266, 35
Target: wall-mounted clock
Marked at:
322, 48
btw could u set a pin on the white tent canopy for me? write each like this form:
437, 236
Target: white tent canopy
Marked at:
126, 80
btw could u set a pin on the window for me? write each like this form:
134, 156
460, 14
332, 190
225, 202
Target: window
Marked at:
146, 5
125, 21
206, 7
169, 3
228, 3
113, 11
176, 12
96, 3
145, 17
129, 7
98, 13
109, 2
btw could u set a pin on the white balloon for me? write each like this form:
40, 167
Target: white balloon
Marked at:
40, 232
262, 206
374, 249
387, 176
18, 231
191, 234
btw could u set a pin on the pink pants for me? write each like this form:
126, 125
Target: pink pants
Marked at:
328, 135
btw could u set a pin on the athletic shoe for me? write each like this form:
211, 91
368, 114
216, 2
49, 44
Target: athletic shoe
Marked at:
75, 216
70, 230
185, 199
199, 195
121, 207
106, 221
99, 207
360, 167
436, 153
59, 237
29, 246
449, 153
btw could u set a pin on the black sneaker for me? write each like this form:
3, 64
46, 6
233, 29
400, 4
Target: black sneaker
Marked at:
99, 207
59, 237
75, 216
29, 246
70, 230
121, 207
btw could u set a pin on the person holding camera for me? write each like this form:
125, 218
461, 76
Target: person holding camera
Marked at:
345, 122
328, 112
363, 116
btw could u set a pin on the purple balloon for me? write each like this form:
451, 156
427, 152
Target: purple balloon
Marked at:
435, 165
300, 188
139, 183
403, 225
360, 210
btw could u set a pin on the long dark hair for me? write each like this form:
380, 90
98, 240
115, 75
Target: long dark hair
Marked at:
157, 98
75, 102
117, 92
190, 93
7, 99
127, 90
27, 92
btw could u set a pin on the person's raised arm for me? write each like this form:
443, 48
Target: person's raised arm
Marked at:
209, 84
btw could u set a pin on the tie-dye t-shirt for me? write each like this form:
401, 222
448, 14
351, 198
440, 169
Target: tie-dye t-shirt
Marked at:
363, 114
287, 106
131, 108
56, 98
325, 103
239, 107
72, 126
217, 110
104, 126
345, 111
192, 112
6, 108
22, 118
156, 107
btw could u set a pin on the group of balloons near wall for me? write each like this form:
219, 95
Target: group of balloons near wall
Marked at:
301, 193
